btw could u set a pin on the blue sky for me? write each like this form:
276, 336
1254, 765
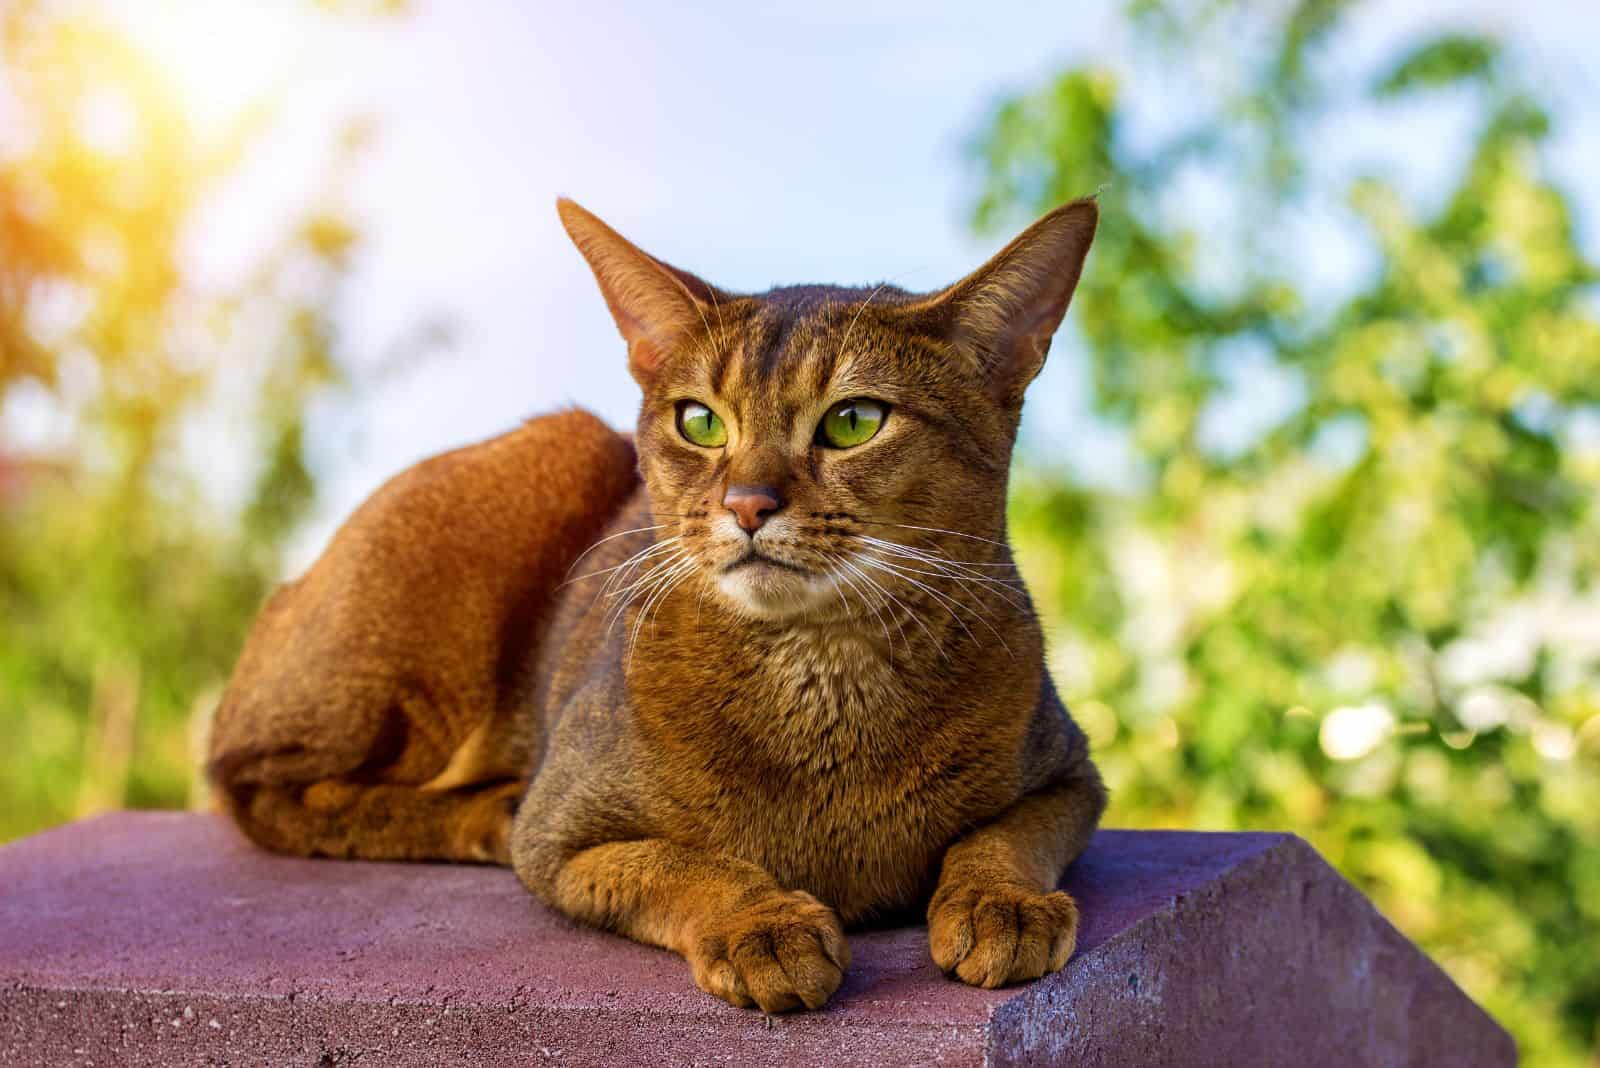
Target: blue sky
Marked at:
752, 144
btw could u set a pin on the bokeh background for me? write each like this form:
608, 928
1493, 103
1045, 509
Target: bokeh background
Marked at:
1307, 492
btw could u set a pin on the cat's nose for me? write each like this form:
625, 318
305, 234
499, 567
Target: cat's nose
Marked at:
751, 505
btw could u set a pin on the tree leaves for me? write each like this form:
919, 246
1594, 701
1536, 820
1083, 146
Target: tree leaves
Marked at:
1451, 59
115, 561
1412, 551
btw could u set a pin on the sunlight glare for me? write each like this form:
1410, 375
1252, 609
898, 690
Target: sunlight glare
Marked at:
221, 58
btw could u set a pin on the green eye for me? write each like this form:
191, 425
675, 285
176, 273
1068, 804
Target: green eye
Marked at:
701, 425
851, 422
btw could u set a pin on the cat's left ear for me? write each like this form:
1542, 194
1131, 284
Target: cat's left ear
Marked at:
1005, 313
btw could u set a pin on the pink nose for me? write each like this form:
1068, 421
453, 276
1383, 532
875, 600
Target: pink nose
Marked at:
751, 505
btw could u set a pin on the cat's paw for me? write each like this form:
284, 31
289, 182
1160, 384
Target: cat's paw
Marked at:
780, 952
483, 832
993, 935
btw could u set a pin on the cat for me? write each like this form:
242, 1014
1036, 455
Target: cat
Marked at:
759, 673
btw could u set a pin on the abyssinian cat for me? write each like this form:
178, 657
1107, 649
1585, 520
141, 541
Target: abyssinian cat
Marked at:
760, 673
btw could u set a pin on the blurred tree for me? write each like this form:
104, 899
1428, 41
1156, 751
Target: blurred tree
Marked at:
1369, 613
124, 589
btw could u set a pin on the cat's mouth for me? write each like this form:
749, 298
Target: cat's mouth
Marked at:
755, 558
770, 588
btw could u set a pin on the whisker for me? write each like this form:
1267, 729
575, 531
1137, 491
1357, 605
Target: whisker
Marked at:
670, 558
624, 595
871, 605
966, 567
1006, 594
931, 530
839, 588
982, 584
944, 600
591, 574
949, 604
1009, 588
915, 618
857, 317
610, 537
652, 604
722, 328
651, 580
621, 572
698, 306
933, 554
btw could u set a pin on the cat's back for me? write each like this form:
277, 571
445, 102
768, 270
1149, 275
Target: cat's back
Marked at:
400, 653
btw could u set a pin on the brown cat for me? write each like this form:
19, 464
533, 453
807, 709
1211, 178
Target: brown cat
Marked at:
793, 683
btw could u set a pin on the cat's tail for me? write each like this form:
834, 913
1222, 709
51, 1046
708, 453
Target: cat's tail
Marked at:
381, 706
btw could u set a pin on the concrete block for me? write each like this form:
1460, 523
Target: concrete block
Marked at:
166, 939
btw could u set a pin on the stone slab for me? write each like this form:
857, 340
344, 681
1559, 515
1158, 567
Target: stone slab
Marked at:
164, 938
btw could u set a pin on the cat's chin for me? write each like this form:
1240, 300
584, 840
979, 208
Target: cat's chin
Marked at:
773, 592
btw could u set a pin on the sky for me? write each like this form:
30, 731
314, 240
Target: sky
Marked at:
815, 142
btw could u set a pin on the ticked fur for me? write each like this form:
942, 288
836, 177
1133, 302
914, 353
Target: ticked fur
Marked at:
736, 739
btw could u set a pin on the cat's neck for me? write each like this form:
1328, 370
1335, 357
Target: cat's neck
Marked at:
799, 696
808, 693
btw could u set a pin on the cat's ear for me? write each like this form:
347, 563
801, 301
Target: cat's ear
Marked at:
655, 305
1005, 313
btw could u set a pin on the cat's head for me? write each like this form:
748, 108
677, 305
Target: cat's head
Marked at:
808, 445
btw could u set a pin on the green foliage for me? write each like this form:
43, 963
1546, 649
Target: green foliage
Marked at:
1374, 617
1444, 61
124, 589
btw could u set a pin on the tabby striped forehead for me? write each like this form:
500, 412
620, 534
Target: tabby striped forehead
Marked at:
773, 359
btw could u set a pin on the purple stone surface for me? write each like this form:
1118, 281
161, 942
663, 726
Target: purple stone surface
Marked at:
164, 938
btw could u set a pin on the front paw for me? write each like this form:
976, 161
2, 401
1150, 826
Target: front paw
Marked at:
994, 934
779, 952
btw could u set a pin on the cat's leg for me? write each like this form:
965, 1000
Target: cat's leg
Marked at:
349, 820
746, 939
368, 772
996, 916
586, 843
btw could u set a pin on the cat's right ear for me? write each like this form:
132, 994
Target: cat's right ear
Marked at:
655, 305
